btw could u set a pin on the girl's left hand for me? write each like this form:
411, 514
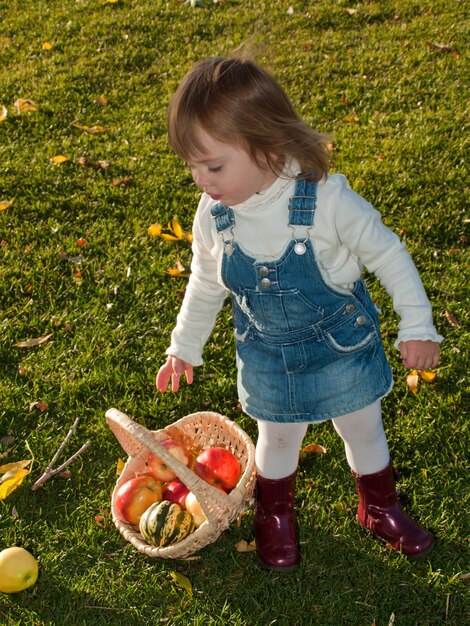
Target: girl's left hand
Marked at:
419, 355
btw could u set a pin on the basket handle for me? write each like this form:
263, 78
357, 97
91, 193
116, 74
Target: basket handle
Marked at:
123, 427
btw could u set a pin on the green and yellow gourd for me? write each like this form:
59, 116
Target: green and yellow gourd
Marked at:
165, 523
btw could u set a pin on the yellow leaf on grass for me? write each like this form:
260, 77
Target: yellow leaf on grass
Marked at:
47, 46
244, 546
17, 465
167, 237
176, 232
178, 270
182, 581
119, 467
4, 114
60, 158
175, 226
5, 204
13, 476
314, 447
154, 230
412, 381
92, 130
37, 341
428, 377
24, 105
10, 484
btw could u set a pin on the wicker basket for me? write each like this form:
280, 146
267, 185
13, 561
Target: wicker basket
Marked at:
195, 431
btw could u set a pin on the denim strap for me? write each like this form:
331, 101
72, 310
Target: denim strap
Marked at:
303, 203
223, 216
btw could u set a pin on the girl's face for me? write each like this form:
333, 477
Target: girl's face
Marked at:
227, 172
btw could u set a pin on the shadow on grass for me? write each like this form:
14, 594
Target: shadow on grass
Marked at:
351, 581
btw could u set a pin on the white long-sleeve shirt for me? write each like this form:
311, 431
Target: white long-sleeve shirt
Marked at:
347, 235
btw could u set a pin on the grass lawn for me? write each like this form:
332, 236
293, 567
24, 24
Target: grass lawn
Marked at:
387, 80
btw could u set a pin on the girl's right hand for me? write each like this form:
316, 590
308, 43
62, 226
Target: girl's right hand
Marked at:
173, 369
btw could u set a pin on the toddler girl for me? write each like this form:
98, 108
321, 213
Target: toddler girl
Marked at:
288, 242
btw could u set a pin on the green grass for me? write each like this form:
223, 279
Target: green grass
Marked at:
396, 108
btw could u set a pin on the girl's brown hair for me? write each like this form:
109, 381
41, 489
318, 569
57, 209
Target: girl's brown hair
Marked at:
237, 102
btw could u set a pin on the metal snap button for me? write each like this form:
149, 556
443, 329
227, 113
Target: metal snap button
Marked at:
300, 248
229, 249
264, 271
350, 308
265, 283
361, 320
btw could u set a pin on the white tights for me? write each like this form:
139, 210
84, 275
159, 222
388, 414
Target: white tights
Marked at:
278, 445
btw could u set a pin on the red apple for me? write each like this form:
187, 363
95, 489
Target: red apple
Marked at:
135, 496
219, 467
176, 491
159, 469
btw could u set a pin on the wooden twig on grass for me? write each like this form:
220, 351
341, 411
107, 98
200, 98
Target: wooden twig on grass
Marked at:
50, 471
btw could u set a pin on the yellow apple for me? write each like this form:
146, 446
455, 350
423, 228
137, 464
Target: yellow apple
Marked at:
193, 506
18, 570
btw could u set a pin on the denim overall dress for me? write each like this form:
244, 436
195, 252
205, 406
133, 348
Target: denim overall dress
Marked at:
306, 352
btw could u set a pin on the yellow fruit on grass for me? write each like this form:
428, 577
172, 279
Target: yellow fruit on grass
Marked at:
18, 570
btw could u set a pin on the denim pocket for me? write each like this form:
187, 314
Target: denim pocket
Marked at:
282, 311
357, 333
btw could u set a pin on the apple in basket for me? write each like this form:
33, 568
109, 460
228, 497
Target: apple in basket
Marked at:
193, 507
176, 491
159, 469
219, 467
135, 496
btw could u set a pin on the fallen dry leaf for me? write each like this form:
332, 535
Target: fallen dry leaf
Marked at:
87, 162
126, 180
81, 242
244, 546
314, 447
438, 47
9, 484
42, 406
13, 476
7, 440
92, 130
47, 46
119, 467
102, 100
15, 466
37, 341
352, 118
428, 377
176, 232
450, 317
60, 158
412, 381
154, 230
178, 270
5, 204
25, 105
182, 581
4, 114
